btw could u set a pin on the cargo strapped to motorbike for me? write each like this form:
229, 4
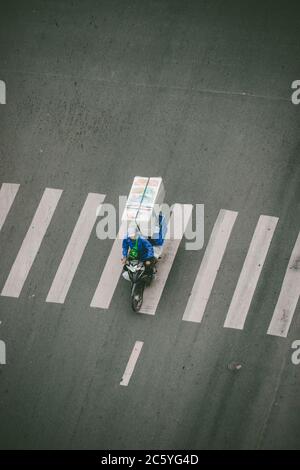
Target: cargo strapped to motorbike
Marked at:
144, 205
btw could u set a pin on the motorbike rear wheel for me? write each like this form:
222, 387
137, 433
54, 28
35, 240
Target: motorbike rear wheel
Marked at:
137, 296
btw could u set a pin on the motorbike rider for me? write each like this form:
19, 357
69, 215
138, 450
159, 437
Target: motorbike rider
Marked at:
134, 246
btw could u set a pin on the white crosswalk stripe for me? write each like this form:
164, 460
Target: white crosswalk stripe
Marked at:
74, 251
31, 243
288, 297
250, 273
8, 193
181, 216
111, 273
210, 265
131, 363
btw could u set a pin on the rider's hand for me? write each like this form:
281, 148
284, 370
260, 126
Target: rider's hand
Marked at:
147, 263
123, 260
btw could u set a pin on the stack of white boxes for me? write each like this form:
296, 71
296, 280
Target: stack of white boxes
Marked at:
143, 204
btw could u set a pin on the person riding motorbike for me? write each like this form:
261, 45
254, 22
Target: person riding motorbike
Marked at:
134, 246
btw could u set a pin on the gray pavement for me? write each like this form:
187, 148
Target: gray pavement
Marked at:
197, 92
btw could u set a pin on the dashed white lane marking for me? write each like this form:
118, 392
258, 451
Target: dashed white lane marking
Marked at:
288, 297
31, 243
250, 273
75, 248
210, 265
8, 193
111, 273
180, 217
131, 363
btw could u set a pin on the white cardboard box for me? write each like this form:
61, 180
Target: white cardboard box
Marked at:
143, 203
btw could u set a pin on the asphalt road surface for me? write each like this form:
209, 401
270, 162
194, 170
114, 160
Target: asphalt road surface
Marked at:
198, 92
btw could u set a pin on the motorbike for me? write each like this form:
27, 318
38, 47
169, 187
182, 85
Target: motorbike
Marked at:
139, 279
135, 270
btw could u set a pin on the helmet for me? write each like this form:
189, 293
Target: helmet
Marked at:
132, 231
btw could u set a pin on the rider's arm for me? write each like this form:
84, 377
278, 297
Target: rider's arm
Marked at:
125, 247
148, 249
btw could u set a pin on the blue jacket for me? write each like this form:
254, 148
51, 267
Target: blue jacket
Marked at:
158, 238
144, 247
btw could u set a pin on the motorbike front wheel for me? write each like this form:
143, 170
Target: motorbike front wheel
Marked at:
137, 296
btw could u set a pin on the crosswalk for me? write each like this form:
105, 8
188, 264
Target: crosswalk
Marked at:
110, 275
250, 273
210, 266
206, 277
74, 251
288, 297
8, 193
31, 243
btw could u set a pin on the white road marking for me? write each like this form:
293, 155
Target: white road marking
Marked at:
75, 248
210, 265
111, 273
288, 297
181, 215
131, 363
8, 193
31, 243
250, 273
